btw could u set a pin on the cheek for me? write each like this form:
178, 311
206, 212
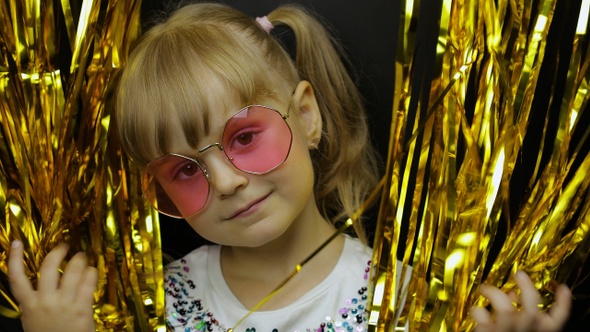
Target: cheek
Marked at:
210, 232
298, 169
299, 143
200, 223
299, 152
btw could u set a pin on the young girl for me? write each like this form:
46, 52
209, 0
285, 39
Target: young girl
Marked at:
261, 155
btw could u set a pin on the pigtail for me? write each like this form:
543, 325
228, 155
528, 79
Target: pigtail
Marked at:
345, 162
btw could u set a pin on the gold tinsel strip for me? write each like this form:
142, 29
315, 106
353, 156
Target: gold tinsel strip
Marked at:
62, 174
448, 178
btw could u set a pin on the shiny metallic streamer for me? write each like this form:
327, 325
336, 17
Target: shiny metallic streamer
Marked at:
466, 75
63, 177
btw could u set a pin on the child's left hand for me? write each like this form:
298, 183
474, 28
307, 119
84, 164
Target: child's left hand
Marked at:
528, 317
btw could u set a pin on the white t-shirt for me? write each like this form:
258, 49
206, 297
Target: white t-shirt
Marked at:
198, 299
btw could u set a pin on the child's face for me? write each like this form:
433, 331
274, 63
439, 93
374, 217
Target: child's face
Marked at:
253, 209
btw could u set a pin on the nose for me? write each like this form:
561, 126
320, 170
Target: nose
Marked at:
225, 179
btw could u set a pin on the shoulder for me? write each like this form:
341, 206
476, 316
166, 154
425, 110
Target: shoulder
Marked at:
356, 256
198, 255
188, 284
356, 248
353, 267
345, 299
192, 266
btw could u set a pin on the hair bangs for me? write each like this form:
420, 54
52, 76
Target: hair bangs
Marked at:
238, 62
174, 71
160, 92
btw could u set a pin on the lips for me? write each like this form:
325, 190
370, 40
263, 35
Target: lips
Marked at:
248, 209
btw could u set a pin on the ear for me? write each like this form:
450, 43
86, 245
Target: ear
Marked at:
304, 101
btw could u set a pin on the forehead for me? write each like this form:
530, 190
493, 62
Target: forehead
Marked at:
205, 122
209, 123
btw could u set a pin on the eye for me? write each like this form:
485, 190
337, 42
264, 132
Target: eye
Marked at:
185, 171
245, 139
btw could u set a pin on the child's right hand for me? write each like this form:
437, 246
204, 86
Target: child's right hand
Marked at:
59, 303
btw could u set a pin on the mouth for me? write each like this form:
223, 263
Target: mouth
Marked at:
248, 209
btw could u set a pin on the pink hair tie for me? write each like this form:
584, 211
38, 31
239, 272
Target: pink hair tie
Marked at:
265, 23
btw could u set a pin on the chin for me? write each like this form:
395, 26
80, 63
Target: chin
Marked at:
255, 238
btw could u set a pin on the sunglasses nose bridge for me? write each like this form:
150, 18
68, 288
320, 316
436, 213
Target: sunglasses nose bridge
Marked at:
207, 147
215, 145
223, 177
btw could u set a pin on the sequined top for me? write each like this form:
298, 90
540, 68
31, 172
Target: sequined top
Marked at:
198, 299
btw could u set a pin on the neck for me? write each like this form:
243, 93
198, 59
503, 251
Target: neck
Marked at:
284, 253
252, 273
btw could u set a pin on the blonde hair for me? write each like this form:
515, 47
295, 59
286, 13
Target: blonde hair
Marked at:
167, 77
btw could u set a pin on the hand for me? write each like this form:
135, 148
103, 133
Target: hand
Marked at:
56, 305
529, 317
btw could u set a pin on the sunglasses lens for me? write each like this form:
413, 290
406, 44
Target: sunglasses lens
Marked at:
175, 186
257, 139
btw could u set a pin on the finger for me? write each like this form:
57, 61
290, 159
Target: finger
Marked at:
72, 274
49, 271
513, 297
529, 295
19, 283
500, 301
86, 287
560, 310
482, 318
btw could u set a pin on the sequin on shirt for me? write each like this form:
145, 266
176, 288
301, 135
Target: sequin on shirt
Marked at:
189, 314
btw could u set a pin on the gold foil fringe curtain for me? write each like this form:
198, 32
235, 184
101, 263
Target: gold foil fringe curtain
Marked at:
463, 174
62, 174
